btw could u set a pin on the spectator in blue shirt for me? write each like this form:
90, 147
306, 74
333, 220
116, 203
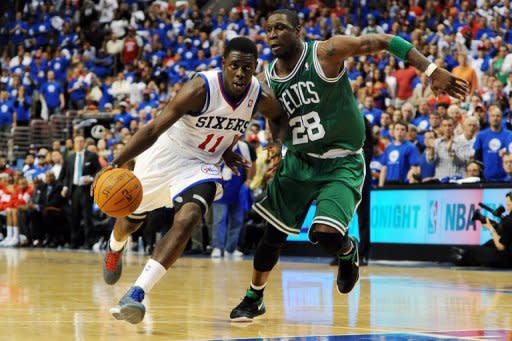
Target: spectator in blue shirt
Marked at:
371, 113
147, 103
58, 65
18, 30
40, 32
42, 165
376, 163
124, 116
385, 124
77, 91
6, 112
428, 168
422, 117
102, 64
507, 166
488, 144
22, 104
38, 68
399, 157
106, 90
228, 211
53, 95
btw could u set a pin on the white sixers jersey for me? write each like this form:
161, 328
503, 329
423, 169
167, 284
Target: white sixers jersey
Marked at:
206, 135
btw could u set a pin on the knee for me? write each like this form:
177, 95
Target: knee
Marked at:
323, 228
269, 249
330, 239
187, 218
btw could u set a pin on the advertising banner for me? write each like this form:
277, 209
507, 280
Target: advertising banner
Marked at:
431, 216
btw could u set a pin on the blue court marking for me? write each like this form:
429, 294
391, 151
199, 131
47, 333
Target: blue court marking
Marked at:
361, 337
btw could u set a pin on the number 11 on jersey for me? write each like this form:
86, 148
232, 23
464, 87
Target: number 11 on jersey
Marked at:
207, 141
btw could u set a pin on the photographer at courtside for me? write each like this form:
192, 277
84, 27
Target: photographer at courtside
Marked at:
496, 252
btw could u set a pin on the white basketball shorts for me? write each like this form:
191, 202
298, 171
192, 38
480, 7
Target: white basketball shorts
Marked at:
166, 171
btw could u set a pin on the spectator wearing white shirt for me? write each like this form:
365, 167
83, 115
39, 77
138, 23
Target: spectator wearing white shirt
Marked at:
120, 87
390, 81
466, 140
106, 9
446, 158
119, 25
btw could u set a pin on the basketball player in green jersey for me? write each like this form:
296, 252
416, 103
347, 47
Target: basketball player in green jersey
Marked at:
324, 160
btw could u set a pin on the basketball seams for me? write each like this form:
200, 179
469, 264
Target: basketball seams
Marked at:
119, 189
100, 184
129, 204
115, 191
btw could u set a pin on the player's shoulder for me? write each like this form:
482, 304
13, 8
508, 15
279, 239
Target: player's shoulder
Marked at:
206, 76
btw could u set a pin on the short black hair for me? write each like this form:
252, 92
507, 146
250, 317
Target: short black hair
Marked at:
241, 44
291, 16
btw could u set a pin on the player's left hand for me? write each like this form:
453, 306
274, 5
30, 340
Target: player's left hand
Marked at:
103, 170
234, 160
443, 82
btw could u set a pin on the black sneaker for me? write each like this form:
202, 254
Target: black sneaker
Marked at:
348, 269
250, 307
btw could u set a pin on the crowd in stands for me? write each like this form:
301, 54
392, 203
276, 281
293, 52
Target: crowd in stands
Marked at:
125, 59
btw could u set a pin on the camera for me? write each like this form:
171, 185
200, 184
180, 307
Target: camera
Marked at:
477, 215
498, 212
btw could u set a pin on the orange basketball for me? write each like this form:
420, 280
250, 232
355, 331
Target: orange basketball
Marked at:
118, 192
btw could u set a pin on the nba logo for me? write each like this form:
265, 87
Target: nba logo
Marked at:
250, 103
433, 215
306, 66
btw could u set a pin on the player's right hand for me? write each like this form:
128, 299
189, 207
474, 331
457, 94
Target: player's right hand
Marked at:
234, 160
443, 82
103, 170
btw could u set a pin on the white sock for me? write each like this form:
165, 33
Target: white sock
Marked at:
260, 287
152, 273
9, 232
114, 244
16, 232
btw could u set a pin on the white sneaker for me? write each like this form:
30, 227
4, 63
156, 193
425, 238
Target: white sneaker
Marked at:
12, 242
23, 240
6, 241
237, 253
216, 253
97, 246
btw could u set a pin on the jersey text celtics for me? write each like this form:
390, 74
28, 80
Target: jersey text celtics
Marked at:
322, 112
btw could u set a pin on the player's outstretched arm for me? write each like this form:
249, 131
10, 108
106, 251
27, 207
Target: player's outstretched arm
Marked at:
190, 99
334, 51
271, 109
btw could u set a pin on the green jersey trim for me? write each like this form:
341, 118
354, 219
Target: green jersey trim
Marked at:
272, 73
319, 69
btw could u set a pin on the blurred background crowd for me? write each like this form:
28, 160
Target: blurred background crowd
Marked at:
79, 77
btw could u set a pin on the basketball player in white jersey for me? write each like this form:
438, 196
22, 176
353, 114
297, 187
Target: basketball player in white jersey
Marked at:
177, 161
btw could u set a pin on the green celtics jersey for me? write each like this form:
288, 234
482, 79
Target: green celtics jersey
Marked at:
322, 112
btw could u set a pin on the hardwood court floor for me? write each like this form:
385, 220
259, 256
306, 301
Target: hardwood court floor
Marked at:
60, 295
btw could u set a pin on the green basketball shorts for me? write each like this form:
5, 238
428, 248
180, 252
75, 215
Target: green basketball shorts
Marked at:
335, 184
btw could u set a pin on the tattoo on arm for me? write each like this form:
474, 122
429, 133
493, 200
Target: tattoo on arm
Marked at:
330, 50
369, 44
